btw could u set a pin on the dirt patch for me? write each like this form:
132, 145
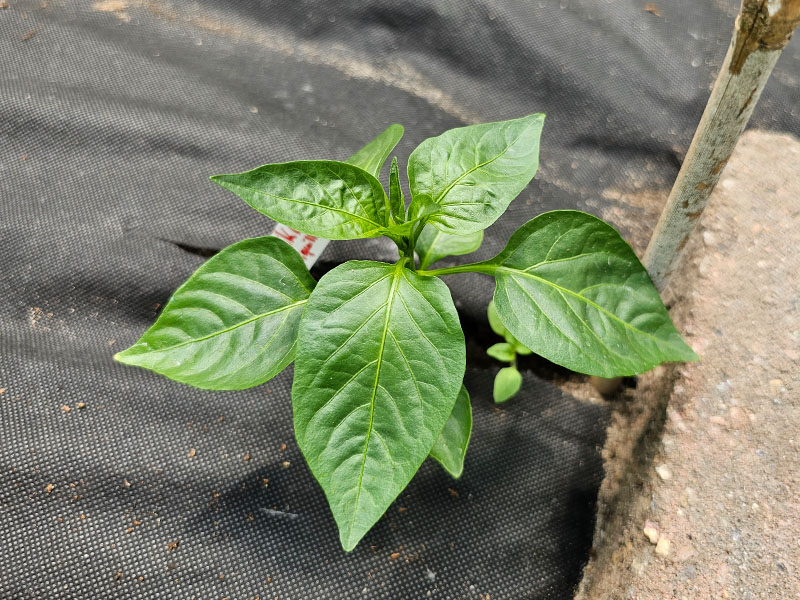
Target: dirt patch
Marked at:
118, 7
705, 456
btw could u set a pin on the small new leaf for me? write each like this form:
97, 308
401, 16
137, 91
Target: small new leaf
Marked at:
372, 156
521, 349
396, 200
380, 363
451, 445
502, 351
233, 324
420, 208
433, 244
474, 172
325, 198
572, 290
507, 383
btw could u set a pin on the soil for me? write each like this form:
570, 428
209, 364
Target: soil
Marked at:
705, 456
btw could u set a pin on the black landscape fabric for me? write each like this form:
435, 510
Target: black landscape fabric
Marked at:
117, 483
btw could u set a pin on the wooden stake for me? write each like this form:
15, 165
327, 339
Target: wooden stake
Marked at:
763, 28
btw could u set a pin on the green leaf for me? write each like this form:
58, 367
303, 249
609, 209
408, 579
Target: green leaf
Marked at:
502, 351
451, 445
521, 349
510, 339
572, 290
474, 172
399, 230
507, 383
372, 156
433, 245
233, 324
396, 200
325, 198
420, 208
494, 320
380, 362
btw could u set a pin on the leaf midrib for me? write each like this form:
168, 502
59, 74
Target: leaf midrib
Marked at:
582, 298
390, 300
317, 205
226, 330
479, 166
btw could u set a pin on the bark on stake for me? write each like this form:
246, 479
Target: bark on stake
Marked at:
763, 28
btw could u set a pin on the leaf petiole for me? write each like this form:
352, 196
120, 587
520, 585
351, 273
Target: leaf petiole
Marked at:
486, 269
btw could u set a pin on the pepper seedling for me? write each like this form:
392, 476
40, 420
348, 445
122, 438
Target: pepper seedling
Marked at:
378, 348
508, 380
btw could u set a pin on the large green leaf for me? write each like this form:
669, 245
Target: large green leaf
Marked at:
325, 198
380, 362
572, 290
233, 324
433, 244
372, 156
474, 172
451, 445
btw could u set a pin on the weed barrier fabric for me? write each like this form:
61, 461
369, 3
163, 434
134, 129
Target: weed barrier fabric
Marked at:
117, 483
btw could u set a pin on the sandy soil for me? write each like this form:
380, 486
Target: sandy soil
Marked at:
705, 456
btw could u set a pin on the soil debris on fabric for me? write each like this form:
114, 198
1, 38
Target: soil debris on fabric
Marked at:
653, 9
709, 450
118, 7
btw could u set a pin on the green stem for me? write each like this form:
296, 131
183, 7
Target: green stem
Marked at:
485, 268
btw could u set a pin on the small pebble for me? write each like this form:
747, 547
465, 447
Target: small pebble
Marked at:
49, 488
65, 408
662, 547
663, 472
81, 404
285, 464
651, 532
